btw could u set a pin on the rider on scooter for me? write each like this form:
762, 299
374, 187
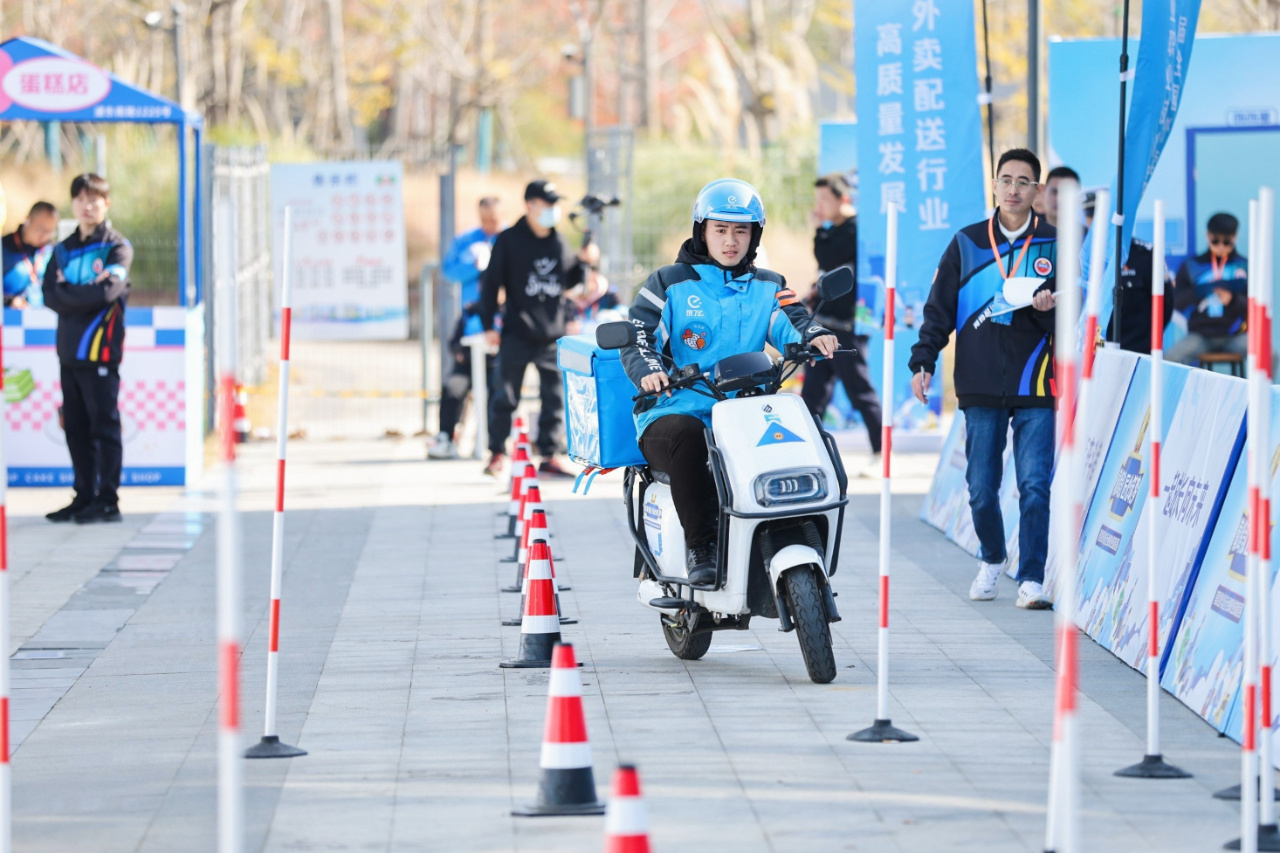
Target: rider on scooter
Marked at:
710, 304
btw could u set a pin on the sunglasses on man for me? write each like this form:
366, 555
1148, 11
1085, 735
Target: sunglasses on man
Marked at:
1215, 240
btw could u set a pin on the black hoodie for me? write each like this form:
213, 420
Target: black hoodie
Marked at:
535, 272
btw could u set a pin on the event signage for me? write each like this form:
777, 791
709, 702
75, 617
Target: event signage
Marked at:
55, 84
1164, 53
348, 251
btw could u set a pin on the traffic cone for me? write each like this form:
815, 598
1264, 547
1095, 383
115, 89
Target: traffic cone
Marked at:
539, 549
567, 786
518, 463
517, 425
530, 485
239, 420
626, 820
532, 504
540, 625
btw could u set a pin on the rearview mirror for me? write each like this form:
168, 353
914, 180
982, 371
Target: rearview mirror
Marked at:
618, 335
837, 283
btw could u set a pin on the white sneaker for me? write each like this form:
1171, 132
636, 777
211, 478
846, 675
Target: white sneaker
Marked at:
874, 468
443, 448
1031, 596
983, 587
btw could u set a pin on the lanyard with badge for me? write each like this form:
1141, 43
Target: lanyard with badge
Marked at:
991, 238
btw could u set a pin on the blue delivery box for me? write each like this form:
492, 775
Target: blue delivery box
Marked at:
597, 397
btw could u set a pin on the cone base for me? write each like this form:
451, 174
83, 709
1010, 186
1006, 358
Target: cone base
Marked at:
553, 811
1268, 839
504, 536
1233, 793
1153, 767
520, 588
557, 558
271, 747
882, 731
514, 623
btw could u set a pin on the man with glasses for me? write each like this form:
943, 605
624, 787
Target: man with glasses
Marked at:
1003, 369
1213, 287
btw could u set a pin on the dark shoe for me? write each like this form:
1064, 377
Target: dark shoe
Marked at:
702, 564
552, 469
494, 468
98, 512
68, 512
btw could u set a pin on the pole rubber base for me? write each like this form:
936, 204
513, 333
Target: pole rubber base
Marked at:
1268, 839
271, 747
553, 811
517, 622
1233, 793
882, 731
1153, 767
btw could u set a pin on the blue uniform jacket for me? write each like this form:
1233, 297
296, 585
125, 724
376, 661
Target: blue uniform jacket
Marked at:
459, 266
699, 313
24, 269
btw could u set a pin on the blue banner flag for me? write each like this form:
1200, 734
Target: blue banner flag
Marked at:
1164, 53
919, 142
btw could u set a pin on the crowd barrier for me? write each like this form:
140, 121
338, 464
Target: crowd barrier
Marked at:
1202, 529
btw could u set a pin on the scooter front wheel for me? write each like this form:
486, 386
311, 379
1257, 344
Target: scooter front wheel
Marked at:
684, 642
804, 600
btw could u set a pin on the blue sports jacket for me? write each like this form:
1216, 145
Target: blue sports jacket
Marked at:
86, 284
695, 312
23, 269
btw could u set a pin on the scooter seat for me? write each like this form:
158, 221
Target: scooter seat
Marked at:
660, 476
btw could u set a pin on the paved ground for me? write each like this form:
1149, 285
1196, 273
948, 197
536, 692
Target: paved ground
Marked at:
419, 741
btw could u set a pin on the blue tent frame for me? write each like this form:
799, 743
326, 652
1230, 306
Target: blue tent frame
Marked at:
124, 102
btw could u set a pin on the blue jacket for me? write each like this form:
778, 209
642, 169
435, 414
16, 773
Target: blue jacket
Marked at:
459, 263
87, 284
23, 269
695, 312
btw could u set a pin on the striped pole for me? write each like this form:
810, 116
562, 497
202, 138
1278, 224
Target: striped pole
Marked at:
882, 729
1153, 765
6, 782
1063, 830
1264, 251
230, 771
270, 745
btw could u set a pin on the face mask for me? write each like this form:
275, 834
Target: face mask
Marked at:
827, 225
549, 217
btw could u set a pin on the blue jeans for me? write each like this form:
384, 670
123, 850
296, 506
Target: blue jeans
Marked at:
985, 432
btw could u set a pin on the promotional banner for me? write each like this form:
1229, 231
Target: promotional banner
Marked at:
919, 140
1200, 448
948, 494
1164, 54
908, 412
348, 252
1205, 659
153, 399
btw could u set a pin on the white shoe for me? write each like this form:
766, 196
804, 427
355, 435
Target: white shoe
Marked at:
1031, 596
874, 468
443, 448
983, 587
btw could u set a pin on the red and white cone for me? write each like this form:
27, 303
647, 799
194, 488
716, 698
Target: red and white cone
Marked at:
533, 503
539, 549
568, 785
626, 819
515, 489
540, 625
240, 420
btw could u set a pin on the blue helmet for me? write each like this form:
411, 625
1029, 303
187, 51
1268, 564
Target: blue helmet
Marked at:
729, 200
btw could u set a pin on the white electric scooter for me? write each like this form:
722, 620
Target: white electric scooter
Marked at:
781, 487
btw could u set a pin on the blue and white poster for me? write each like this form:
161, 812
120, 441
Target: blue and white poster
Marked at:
348, 253
948, 494
1204, 660
919, 140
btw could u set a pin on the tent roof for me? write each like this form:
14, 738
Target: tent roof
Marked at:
41, 82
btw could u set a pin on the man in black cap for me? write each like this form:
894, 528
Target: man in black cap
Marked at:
534, 265
1212, 289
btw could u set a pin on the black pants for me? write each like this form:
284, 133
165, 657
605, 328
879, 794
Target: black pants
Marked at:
676, 445
91, 419
454, 391
514, 355
850, 369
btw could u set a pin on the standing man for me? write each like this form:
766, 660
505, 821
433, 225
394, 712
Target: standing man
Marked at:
86, 283
835, 245
1213, 287
463, 264
26, 254
533, 265
1135, 275
1003, 369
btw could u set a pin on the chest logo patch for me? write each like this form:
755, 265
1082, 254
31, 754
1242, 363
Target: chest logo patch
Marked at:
1042, 266
696, 336
97, 265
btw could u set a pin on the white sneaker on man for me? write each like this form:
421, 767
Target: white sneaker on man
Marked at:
983, 587
874, 469
443, 448
1031, 596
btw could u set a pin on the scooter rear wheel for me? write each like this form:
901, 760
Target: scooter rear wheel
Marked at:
684, 643
804, 599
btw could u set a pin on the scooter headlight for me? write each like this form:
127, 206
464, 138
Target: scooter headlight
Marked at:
791, 485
